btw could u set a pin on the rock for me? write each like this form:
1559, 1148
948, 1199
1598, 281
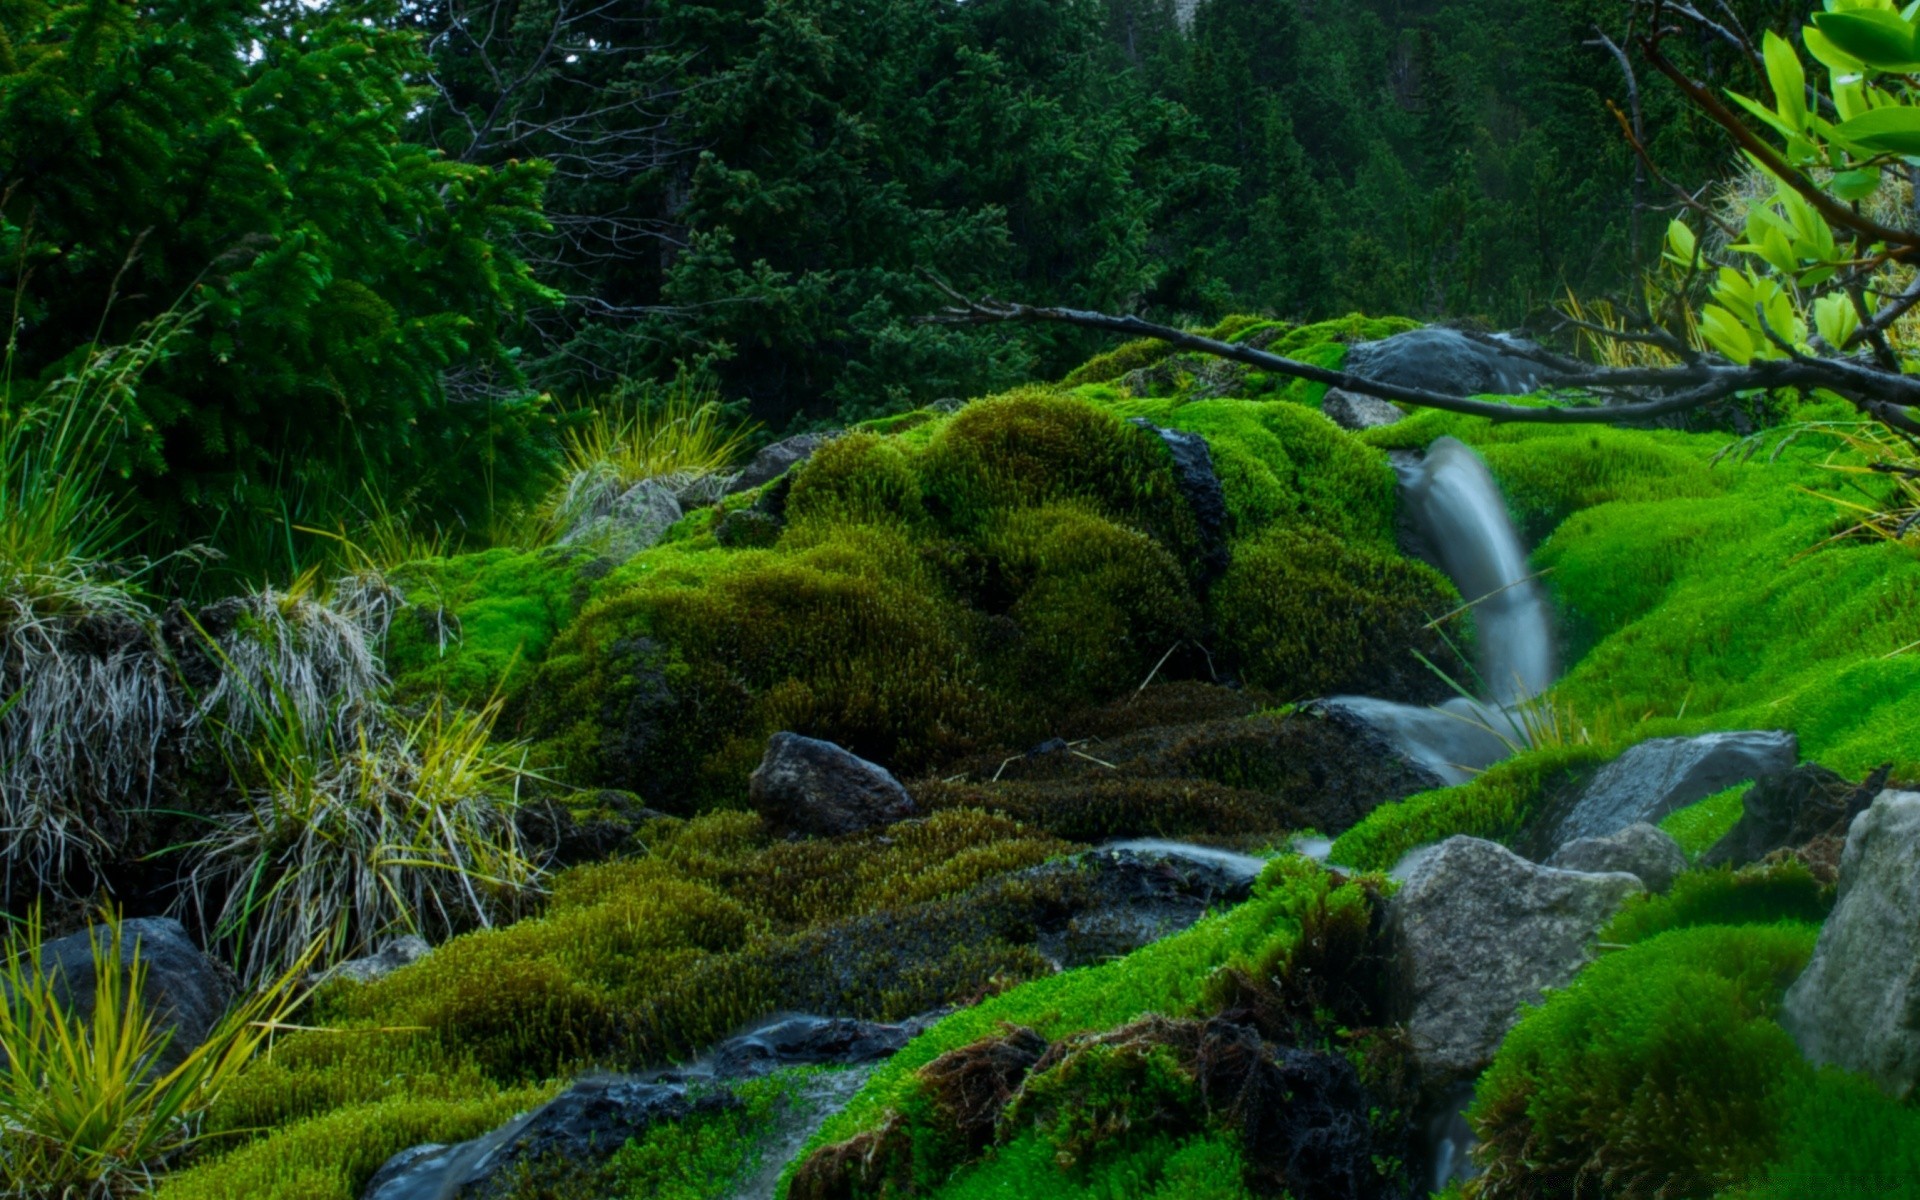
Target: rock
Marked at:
804, 785
184, 988
1477, 931
398, 952
1857, 1005
809, 1041
1656, 777
1193, 468
1445, 360
1351, 410
1792, 809
570, 1134
1132, 894
636, 519
1640, 850
776, 460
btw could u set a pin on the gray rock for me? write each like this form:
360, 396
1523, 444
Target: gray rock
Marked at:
1477, 931
1200, 485
1857, 1005
1640, 850
799, 1041
1352, 410
398, 952
1445, 360
1135, 893
636, 519
184, 988
807, 786
776, 460
1656, 777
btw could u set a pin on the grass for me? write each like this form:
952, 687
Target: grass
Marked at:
86, 1113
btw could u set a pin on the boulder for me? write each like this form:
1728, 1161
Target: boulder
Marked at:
1641, 850
184, 989
1658, 776
1200, 485
777, 459
809, 1041
1352, 410
636, 519
807, 786
1791, 809
398, 952
1857, 1005
1475, 932
1443, 360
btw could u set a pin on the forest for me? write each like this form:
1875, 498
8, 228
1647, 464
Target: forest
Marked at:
959, 599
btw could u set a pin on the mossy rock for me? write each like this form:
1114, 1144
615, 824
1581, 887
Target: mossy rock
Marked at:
477, 623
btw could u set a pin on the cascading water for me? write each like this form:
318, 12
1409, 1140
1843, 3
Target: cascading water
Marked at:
1455, 504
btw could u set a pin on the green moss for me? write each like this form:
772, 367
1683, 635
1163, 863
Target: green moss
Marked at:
1658, 1071
859, 477
477, 622
1841, 1136
710, 1153
1496, 805
1204, 1167
1698, 826
1749, 896
1079, 1104
1302, 613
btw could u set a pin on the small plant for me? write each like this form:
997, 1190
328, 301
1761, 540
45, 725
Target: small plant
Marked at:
683, 438
362, 828
87, 1109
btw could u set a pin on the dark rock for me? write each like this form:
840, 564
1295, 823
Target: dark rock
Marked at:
1352, 410
776, 460
184, 989
1659, 776
808, 1041
1792, 809
1130, 896
582, 832
1437, 359
398, 952
807, 786
1857, 1006
1641, 850
1200, 485
1475, 932
636, 520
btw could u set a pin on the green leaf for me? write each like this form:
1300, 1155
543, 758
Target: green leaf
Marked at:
1829, 55
1726, 334
1894, 129
1856, 185
1834, 316
1876, 37
1764, 113
1789, 80
1680, 241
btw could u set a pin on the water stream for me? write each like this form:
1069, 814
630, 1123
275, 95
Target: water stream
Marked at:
1456, 506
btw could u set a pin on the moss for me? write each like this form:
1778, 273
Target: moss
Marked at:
859, 477
1659, 1072
1202, 1167
1699, 825
1098, 809
1750, 896
477, 622
711, 1152
1097, 1097
1303, 614
1495, 805
1841, 1136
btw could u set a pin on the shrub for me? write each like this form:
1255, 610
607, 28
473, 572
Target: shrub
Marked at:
1657, 1072
1303, 614
85, 1110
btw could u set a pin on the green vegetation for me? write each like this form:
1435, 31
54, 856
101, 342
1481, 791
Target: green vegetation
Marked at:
703, 1156
1698, 826
1750, 896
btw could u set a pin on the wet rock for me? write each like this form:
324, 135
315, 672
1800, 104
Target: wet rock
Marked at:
1475, 932
807, 786
1200, 485
1792, 809
1857, 1006
398, 952
1128, 897
1641, 850
1352, 410
1659, 776
184, 989
809, 1041
1436, 359
776, 460
636, 519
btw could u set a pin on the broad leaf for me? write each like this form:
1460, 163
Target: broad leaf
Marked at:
1894, 129
1789, 81
1856, 185
1878, 38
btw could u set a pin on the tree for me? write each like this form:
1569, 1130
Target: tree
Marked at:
249, 164
1802, 295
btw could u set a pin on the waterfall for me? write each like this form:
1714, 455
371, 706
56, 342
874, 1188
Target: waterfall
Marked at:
1456, 506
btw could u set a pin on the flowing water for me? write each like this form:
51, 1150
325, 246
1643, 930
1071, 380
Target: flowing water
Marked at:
1456, 506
